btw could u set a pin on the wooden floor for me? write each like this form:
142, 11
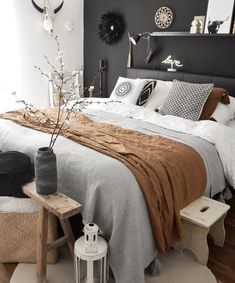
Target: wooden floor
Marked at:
221, 260
6, 271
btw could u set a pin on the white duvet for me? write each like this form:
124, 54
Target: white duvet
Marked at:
223, 137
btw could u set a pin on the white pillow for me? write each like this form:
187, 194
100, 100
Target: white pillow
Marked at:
232, 124
128, 90
159, 94
224, 113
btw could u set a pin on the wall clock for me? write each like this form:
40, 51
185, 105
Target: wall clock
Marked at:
111, 27
163, 17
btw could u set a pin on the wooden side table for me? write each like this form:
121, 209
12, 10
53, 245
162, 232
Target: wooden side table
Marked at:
61, 206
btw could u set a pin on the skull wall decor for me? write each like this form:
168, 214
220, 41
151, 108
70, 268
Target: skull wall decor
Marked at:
48, 14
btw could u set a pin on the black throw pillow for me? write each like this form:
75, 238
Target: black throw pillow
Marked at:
146, 93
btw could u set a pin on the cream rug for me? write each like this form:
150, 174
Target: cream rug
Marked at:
176, 268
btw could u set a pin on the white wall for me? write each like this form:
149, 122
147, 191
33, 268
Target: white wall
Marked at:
23, 43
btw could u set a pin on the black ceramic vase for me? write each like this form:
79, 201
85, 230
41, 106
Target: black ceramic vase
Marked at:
45, 171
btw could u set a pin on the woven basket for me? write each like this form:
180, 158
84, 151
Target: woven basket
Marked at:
18, 237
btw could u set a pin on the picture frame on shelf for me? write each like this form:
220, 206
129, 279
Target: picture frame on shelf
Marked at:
201, 20
219, 17
233, 31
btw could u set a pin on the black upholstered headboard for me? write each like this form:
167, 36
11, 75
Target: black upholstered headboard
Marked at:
224, 82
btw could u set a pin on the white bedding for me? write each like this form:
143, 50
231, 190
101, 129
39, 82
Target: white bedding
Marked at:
223, 137
231, 124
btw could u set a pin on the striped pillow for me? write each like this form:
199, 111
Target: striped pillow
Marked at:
146, 93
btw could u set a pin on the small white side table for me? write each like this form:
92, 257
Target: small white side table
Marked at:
81, 254
199, 218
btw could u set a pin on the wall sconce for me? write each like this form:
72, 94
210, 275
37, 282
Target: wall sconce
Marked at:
135, 38
172, 62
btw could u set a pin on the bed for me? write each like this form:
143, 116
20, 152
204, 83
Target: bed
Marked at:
109, 191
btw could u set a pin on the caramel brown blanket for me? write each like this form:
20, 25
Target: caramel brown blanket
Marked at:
170, 174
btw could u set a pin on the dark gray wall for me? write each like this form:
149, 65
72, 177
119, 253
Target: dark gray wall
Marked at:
214, 55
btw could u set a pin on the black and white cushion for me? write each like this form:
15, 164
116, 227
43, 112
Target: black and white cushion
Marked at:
186, 100
146, 93
128, 90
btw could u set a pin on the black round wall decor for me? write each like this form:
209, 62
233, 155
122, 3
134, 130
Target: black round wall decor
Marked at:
111, 27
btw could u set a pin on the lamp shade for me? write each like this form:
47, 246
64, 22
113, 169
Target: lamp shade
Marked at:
135, 38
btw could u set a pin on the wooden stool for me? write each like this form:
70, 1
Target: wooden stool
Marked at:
201, 217
61, 206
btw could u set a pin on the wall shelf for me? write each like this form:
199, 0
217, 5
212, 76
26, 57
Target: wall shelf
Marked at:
184, 33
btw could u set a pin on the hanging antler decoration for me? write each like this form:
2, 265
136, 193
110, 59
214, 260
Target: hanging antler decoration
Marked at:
48, 14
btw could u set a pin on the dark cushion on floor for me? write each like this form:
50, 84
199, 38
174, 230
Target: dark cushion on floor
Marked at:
16, 170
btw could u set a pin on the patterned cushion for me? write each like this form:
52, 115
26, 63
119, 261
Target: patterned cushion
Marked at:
128, 90
146, 93
186, 100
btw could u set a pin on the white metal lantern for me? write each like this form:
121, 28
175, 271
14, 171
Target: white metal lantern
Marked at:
92, 250
91, 231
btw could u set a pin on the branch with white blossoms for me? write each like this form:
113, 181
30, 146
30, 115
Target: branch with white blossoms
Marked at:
35, 112
66, 89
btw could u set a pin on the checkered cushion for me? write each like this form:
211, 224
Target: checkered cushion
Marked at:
146, 93
186, 100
